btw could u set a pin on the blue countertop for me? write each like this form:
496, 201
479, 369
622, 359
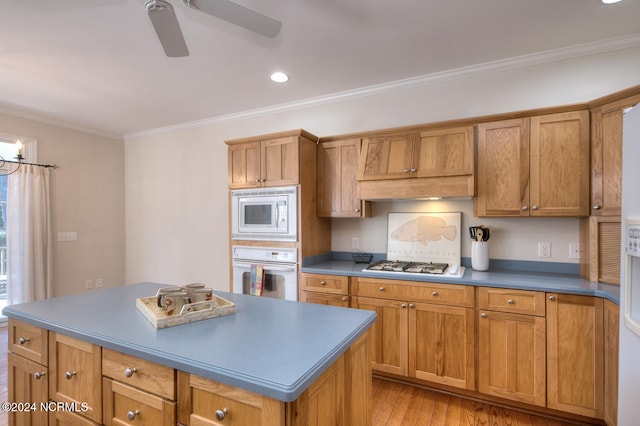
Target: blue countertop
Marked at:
548, 282
272, 347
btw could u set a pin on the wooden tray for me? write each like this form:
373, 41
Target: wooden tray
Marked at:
189, 313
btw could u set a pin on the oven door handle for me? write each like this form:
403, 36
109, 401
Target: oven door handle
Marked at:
266, 266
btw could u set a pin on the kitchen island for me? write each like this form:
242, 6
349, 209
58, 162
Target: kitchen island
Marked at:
273, 350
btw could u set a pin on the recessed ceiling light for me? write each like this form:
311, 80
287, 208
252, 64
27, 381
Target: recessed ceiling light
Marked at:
610, 1
279, 77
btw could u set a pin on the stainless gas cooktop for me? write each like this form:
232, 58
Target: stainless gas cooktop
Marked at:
408, 267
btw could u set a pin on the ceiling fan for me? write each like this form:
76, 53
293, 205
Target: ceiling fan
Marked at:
166, 24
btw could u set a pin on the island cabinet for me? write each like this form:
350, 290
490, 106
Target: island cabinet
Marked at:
534, 166
575, 354
134, 388
512, 344
324, 289
340, 396
337, 180
28, 378
75, 374
425, 331
436, 162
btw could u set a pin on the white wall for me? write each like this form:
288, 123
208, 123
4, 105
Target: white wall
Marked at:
87, 196
176, 197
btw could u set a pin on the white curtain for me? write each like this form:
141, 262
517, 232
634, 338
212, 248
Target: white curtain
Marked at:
29, 244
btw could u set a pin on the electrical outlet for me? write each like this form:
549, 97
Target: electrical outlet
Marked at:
574, 251
98, 282
355, 243
67, 236
544, 249
87, 285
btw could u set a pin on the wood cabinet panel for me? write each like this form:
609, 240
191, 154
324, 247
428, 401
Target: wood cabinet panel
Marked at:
611, 352
244, 165
76, 373
512, 356
447, 294
140, 373
445, 152
28, 383
28, 341
335, 284
124, 405
559, 164
389, 334
509, 300
575, 354
68, 418
442, 344
600, 239
337, 180
279, 161
387, 157
503, 168
324, 299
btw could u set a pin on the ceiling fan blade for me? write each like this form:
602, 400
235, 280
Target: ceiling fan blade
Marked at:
238, 15
166, 25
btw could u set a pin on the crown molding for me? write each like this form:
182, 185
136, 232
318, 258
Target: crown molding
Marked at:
585, 49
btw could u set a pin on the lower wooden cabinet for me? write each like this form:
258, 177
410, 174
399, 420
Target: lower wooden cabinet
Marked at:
28, 383
611, 346
330, 290
76, 374
422, 331
123, 404
512, 345
575, 364
67, 418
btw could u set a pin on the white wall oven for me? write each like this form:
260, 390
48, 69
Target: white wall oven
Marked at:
264, 214
280, 268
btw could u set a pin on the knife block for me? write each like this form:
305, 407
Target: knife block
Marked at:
479, 255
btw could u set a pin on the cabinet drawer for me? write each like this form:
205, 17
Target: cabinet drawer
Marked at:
335, 284
208, 399
516, 301
28, 341
67, 418
125, 405
444, 294
143, 374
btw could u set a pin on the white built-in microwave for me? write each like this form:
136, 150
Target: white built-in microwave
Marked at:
265, 214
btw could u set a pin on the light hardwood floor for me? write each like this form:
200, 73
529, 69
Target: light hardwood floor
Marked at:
403, 405
393, 404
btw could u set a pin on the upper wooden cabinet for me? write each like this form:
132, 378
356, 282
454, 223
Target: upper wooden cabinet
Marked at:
417, 164
272, 162
536, 166
337, 180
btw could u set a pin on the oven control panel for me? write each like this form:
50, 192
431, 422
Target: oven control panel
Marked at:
632, 242
265, 254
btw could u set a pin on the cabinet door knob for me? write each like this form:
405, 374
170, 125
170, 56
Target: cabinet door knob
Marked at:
413, 170
411, 305
132, 414
221, 413
510, 301
552, 298
23, 340
525, 208
69, 374
323, 283
596, 207
404, 305
128, 372
434, 293
534, 207
483, 315
357, 210
381, 288
344, 299
38, 375
405, 170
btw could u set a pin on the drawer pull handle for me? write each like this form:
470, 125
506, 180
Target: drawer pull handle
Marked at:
323, 283
381, 288
132, 414
552, 298
510, 301
344, 299
38, 375
221, 413
128, 372
23, 340
69, 374
404, 305
483, 315
434, 293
